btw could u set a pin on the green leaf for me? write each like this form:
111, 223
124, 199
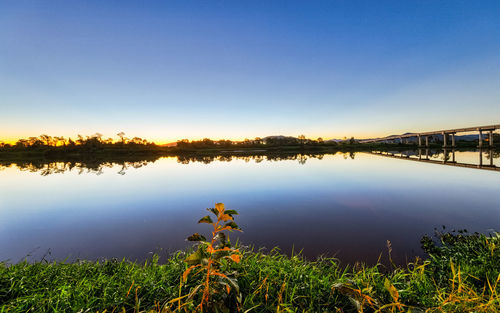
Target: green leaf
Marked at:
206, 219
220, 255
195, 258
231, 212
392, 290
232, 225
214, 211
196, 237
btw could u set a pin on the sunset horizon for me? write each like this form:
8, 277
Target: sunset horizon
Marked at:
177, 70
259, 156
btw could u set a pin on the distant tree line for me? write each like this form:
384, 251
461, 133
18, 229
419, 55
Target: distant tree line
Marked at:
58, 146
271, 141
80, 143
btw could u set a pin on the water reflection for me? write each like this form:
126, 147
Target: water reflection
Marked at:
98, 166
301, 158
481, 158
346, 204
485, 159
80, 167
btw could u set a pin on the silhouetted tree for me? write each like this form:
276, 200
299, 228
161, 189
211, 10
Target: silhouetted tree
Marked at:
302, 139
122, 137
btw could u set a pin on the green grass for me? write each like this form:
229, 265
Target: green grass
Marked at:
460, 275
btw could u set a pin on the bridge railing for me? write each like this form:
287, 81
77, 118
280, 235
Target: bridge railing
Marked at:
445, 133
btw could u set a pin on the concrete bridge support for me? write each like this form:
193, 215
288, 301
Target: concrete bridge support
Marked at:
480, 144
444, 139
419, 141
491, 139
427, 141
453, 140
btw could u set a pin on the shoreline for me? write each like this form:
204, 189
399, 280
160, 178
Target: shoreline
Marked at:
60, 153
450, 279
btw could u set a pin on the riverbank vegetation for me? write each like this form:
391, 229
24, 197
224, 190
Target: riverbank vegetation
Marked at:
45, 147
460, 274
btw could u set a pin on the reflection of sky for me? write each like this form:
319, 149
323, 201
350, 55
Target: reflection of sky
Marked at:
329, 206
186, 69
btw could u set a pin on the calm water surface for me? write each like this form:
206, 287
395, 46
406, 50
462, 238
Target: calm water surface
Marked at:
335, 206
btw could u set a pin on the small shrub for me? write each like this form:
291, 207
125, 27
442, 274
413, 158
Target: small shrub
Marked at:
211, 265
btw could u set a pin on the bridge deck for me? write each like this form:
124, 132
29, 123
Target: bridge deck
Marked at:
437, 132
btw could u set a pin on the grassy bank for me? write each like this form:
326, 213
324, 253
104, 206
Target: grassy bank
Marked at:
460, 275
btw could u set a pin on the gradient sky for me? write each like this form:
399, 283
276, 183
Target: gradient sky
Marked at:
166, 70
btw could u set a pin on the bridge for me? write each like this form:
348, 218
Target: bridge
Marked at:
445, 133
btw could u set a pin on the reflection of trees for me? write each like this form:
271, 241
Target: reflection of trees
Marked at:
81, 167
301, 158
351, 155
97, 167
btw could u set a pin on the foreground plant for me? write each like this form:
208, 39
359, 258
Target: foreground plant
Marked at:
212, 261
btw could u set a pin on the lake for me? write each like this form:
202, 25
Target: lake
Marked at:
341, 205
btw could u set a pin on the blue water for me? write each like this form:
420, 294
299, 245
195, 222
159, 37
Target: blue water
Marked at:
335, 206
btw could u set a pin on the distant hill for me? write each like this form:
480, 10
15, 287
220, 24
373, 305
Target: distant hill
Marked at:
335, 140
171, 144
279, 137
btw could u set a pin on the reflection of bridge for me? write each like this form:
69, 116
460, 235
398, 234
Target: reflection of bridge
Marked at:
449, 158
445, 133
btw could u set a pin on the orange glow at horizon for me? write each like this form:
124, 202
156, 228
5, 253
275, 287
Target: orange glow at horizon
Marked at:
162, 141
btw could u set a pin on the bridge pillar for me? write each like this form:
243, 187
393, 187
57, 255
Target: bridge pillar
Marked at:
491, 138
444, 139
453, 155
401, 140
427, 141
419, 140
480, 157
453, 140
480, 144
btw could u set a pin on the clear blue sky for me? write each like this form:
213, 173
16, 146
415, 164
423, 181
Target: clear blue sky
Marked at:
167, 70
